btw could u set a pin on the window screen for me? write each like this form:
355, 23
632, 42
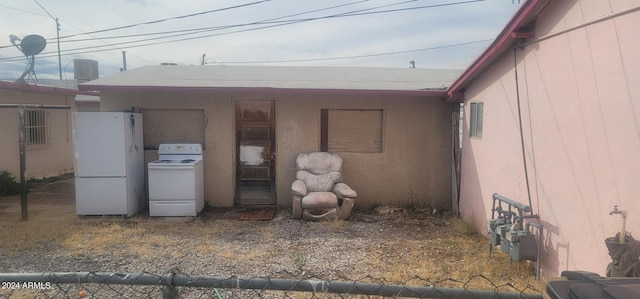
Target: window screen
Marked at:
475, 128
347, 130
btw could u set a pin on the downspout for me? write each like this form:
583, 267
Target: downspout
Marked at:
524, 156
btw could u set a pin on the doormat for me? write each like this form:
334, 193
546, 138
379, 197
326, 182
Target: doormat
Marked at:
265, 214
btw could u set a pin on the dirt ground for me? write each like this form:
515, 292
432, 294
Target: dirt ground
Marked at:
394, 245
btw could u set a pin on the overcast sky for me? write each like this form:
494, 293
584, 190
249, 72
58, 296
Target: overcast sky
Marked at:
371, 33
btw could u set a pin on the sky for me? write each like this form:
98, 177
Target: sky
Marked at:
443, 34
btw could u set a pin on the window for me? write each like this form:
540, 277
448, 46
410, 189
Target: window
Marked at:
475, 128
350, 130
36, 125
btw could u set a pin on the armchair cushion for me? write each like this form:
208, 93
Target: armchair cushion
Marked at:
319, 192
319, 200
343, 190
318, 182
299, 188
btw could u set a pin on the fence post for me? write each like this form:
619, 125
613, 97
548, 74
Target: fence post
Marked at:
24, 188
169, 291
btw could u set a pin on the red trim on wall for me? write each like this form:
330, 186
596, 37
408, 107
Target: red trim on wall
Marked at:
44, 89
268, 90
525, 14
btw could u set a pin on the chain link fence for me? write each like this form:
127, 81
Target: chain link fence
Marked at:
178, 285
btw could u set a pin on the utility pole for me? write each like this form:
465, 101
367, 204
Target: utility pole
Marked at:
58, 37
203, 56
124, 60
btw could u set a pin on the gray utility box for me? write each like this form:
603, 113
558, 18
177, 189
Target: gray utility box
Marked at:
504, 241
494, 235
522, 245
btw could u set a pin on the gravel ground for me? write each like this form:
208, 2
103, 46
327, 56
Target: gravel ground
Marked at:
221, 246
388, 245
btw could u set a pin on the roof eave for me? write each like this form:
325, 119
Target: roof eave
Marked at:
262, 90
45, 89
509, 34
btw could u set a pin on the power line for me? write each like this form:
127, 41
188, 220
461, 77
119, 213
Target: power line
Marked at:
138, 24
202, 29
270, 21
331, 58
276, 24
112, 47
57, 33
356, 56
168, 19
22, 10
45, 10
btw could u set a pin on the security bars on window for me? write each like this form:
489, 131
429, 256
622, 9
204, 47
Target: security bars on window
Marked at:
37, 128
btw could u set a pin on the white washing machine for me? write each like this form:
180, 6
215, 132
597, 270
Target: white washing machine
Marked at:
176, 184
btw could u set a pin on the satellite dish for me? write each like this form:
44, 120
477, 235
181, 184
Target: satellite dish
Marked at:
32, 44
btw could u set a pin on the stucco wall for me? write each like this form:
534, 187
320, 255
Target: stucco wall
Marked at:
581, 119
414, 167
52, 160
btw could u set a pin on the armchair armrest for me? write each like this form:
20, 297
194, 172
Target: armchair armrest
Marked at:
299, 188
344, 191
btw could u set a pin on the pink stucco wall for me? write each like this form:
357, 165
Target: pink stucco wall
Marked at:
580, 99
56, 158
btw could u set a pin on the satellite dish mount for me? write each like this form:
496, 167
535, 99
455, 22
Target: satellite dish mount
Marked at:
30, 46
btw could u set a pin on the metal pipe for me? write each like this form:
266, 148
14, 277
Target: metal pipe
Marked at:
522, 145
232, 282
22, 135
22, 132
589, 23
58, 37
124, 60
623, 230
512, 202
539, 250
35, 106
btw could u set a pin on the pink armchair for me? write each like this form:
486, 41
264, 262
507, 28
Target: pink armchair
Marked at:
319, 192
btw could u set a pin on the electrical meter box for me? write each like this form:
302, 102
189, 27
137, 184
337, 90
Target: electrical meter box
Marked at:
522, 245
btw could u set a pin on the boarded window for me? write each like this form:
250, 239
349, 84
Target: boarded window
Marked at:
37, 127
356, 131
172, 126
475, 126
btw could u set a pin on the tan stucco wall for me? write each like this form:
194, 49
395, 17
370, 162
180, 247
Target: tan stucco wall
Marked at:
579, 98
52, 160
414, 167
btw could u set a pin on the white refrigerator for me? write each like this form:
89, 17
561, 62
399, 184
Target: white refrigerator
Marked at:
109, 163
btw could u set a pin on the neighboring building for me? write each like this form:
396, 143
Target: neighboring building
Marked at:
575, 85
84, 102
49, 137
391, 127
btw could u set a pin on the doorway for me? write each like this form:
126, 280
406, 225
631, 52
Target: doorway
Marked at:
255, 152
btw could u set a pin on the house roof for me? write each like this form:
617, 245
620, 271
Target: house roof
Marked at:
82, 96
44, 89
430, 82
516, 29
